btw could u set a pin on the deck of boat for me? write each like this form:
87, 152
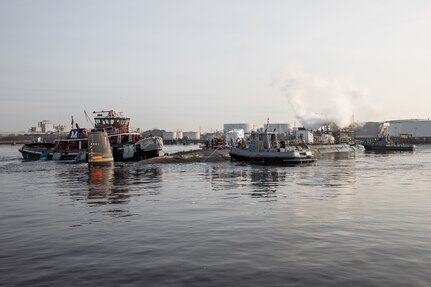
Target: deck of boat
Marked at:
192, 156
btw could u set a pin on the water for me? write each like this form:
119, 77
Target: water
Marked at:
358, 221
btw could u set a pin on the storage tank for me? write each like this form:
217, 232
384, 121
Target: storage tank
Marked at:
280, 128
192, 135
239, 126
169, 135
180, 135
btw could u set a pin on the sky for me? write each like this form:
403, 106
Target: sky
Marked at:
195, 65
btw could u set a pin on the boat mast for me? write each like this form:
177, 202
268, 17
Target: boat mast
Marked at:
89, 119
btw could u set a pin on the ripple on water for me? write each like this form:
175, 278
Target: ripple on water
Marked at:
350, 221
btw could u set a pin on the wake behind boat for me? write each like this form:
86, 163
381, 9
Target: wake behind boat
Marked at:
264, 148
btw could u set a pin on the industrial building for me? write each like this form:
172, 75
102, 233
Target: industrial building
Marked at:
410, 128
396, 128
412, 131
42, 127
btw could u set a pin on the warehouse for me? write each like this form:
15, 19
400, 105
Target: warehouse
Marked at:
411, 128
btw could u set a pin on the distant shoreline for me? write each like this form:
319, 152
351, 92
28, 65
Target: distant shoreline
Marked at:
26, 138
13, 143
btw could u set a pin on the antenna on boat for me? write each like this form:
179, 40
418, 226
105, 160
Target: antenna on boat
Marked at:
267, 125
88, 119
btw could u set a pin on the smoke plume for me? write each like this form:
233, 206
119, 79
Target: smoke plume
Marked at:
317, 101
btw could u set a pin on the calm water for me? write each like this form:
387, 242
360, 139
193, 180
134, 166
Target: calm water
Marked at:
359, 221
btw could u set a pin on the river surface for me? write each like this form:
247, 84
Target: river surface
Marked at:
363, 220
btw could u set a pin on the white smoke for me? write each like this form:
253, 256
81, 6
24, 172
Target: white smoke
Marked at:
317, 101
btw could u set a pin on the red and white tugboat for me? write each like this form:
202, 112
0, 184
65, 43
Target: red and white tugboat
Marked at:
126, 144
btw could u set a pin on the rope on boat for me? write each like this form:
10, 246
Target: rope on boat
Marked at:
210, 155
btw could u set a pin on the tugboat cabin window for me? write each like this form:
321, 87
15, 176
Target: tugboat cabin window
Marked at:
110, 121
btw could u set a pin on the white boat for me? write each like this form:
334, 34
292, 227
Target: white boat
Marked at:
264, 148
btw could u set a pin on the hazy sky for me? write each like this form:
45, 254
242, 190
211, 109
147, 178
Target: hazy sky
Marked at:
198, 64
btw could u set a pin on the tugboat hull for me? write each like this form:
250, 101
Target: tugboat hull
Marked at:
389, 148
271, 160
287, 157
36, 151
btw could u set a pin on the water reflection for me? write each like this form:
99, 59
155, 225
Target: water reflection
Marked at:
259, 181
265, 180
108, 184
117, 184
330, 178
223, 178
100, 183
337, 156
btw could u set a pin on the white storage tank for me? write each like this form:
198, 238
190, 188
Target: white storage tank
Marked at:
239, 126
169, 135
192, 135
180, 135
280, 128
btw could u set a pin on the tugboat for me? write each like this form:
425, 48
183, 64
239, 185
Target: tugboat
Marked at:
385, 144
264, 148
126, 144
36, 151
